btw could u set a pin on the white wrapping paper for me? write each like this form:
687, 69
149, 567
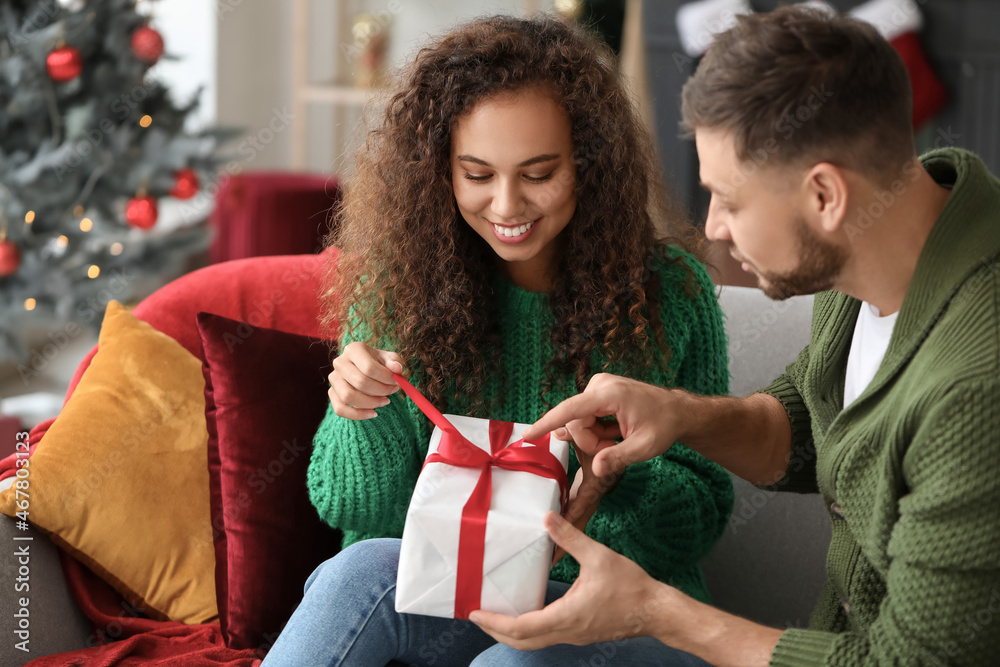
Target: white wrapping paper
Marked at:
518, 550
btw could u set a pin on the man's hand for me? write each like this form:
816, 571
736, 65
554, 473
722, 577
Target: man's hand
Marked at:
751, 436
612, 598
647, 417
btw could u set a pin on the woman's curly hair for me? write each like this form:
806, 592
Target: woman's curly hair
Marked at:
413, 276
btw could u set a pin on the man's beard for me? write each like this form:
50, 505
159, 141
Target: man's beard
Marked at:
820, 264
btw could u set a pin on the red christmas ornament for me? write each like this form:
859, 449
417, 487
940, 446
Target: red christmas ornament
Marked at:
10, 258
186, 185
141, 212
147, 45
64, 64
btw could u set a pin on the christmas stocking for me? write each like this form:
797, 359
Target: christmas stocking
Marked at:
699, 22
899, 21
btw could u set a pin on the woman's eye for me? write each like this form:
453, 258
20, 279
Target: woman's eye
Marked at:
531, 179
538, 179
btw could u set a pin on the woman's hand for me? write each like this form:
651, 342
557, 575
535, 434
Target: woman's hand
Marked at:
588, 489
362, 380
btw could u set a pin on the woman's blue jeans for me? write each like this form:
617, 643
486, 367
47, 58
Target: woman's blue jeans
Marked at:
348, 617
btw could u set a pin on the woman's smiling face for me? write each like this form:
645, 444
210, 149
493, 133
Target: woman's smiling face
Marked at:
514, 180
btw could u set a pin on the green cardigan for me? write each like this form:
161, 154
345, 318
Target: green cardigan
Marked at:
910, 471
665, 514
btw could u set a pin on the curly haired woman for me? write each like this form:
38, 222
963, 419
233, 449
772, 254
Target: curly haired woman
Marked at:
499, 243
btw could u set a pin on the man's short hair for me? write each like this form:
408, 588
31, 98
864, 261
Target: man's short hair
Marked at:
799, 84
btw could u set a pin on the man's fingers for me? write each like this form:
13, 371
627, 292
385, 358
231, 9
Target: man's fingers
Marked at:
491, 622
610, 459
532, 643
607, 430
583, 438
582, 406
615, 458
568, 537
526, 632
604, 431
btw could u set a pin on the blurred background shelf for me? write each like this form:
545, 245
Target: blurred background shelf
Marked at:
326, 125
334, 94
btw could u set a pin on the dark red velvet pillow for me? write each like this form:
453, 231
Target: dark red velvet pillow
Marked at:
265, 396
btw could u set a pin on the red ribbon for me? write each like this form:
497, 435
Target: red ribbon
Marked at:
456, 450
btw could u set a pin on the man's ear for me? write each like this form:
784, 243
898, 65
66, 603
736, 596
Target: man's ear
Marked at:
826, 190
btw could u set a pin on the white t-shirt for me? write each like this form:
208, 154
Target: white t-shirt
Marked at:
871, 340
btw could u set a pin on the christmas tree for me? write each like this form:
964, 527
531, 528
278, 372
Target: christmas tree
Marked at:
89, 145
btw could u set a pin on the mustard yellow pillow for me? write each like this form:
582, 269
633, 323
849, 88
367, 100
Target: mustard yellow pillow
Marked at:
120, 480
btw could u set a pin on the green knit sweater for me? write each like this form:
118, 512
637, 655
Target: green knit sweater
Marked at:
911, 469
665, 514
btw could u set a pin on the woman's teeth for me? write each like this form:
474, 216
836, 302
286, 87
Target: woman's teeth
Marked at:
513, 231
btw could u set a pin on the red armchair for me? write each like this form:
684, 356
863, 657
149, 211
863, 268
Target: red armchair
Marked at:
272, 213
276, 292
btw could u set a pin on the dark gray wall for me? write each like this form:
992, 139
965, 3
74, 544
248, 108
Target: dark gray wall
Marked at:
961, 39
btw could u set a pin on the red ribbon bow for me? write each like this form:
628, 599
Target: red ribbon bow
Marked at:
456, 450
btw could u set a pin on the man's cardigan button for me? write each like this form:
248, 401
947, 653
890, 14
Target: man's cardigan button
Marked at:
837, 512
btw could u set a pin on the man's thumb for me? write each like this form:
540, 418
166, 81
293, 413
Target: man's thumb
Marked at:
611, 459
567, 536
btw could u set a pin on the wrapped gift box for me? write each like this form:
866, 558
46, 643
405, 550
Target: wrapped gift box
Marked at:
473, 537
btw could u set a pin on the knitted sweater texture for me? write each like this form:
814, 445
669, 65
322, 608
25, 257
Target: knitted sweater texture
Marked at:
665, 514
911, 469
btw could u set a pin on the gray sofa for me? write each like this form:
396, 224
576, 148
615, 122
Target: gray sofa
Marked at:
770, 563
767, 567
